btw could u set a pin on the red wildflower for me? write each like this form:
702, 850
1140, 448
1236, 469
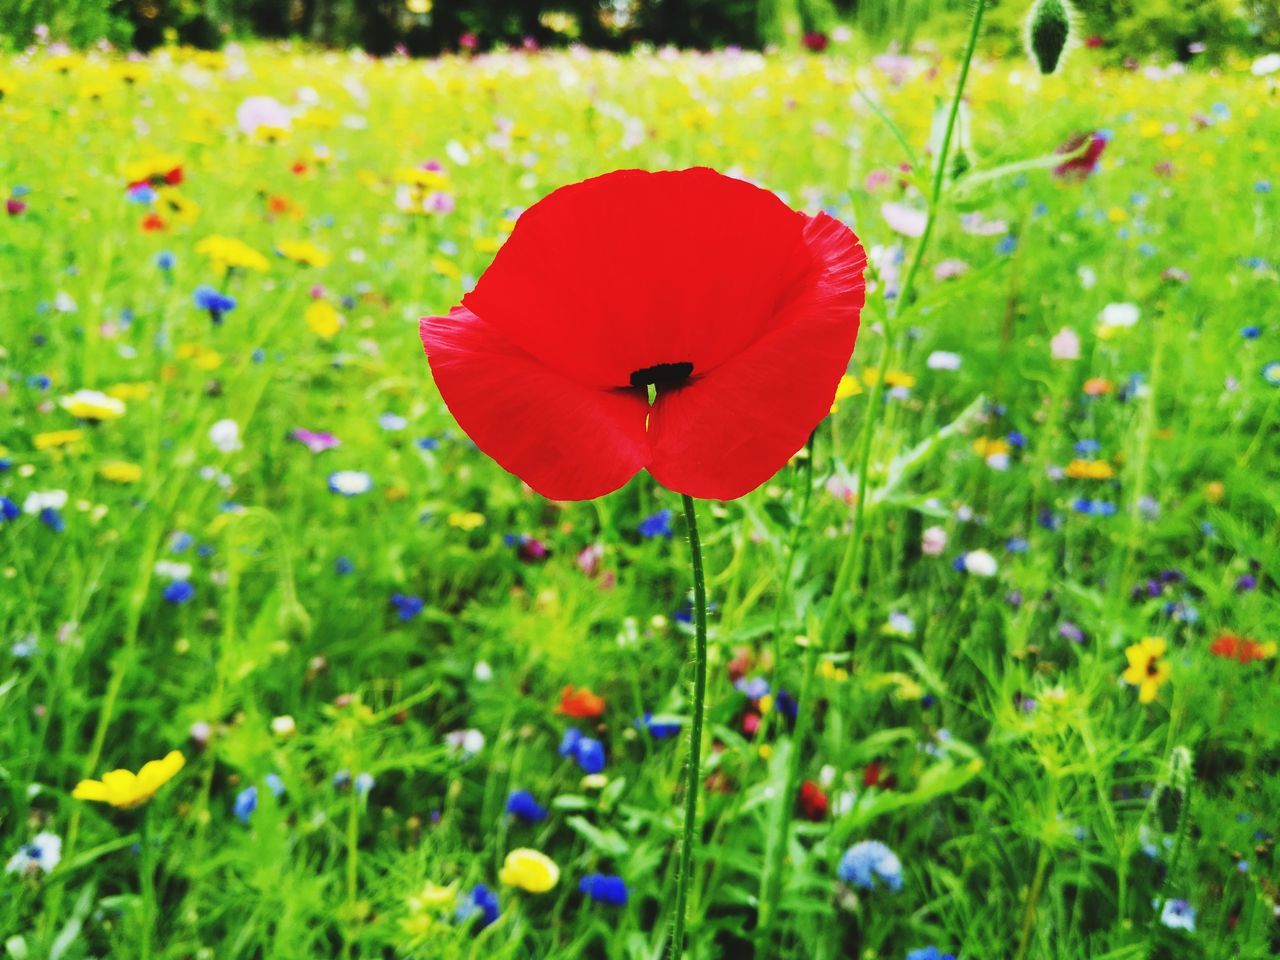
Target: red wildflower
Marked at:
737, 311
1086, 150
13, 206
580, 703
813, 802
815, 42
152, 222
1242, 649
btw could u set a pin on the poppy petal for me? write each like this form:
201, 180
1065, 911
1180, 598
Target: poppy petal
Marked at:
668, 267
729, 431
566, 440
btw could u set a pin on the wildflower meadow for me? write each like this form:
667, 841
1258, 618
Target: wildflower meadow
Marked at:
835, 513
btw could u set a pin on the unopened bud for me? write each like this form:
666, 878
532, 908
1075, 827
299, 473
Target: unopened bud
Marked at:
1048, 31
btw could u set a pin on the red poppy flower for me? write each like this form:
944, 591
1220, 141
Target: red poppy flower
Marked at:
581, 703
1088, 148
152, 222
737, 311
813, 802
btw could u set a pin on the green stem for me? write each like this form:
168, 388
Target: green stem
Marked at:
693, 775
147, 884
852, 561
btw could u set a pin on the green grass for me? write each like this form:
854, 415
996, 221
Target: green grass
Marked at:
1023, 785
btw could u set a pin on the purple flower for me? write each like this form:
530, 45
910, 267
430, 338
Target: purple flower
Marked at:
314, 440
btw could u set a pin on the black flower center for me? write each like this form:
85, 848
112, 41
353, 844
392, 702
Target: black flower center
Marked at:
662, 375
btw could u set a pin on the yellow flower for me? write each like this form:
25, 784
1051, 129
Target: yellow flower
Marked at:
892, 378
1147, 668
466, 521
846, 388
92, 405
304, 252
1090, 470
153, 169
433, 896
118, 471
991, 447
323, 319
228, 252
421, 178
130, 73
57, 438
179, 208
529, 870
130, 391
124, 789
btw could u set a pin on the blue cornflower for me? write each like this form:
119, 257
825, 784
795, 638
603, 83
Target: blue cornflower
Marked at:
481, 902
659, 729
217, 303
865, 862
1093, 508
1017, 545
407, 607
364, 784
39, 380
1262, 186
1251, 332
753, 688
587, 752
181, 541
245, 803
929, 953
166, 260
1178, 915
428, 443
1016, 438
1086, 448
656, 525
178, 592
602, 888
52, 519
392, 421
9, 510
142, 194
1007, 245
343, 566
522, 805
786, 704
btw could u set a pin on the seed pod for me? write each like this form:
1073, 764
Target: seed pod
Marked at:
1048, 32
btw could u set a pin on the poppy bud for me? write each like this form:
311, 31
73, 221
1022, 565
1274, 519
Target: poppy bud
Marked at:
1048, 30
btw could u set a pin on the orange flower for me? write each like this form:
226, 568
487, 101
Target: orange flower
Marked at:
1098, 386
580, 703
1231, 647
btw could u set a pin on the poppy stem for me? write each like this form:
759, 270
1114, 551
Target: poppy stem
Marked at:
693, 774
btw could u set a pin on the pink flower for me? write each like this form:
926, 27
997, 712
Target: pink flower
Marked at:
933, 541
316, 442
903, 219
1065, 345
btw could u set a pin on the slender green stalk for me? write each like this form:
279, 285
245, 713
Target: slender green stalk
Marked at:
852, 561
693, 775
147, 885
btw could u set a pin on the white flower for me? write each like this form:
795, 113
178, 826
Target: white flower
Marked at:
1065, 345
468, 742
1088, 277
225, 435
172, 570
943, 360
482, 671
350, 483
980, 563
39, 500
457, 153
284, 726
933, 541
257, 113
92, 405
1265, 65
1119, 315
903, 219
63, 302
41, 854
900, 625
